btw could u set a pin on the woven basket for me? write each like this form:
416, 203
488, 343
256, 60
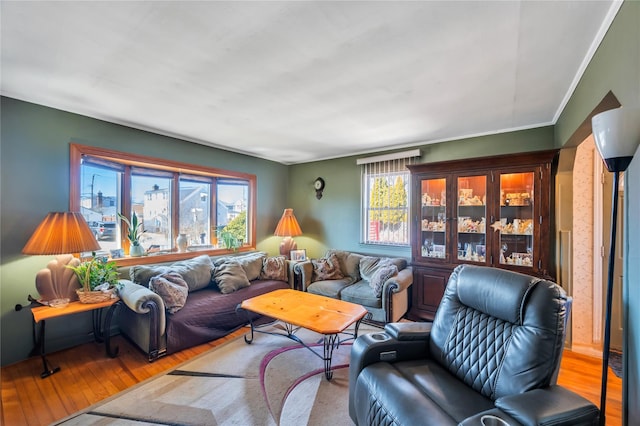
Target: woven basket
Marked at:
94, 296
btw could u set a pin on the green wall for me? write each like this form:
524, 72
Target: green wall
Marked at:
616, 67
334, 220
34, 160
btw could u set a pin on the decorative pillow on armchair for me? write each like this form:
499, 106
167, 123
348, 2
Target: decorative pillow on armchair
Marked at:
274, 268
384, 271
229, 275
326, 269
172, 288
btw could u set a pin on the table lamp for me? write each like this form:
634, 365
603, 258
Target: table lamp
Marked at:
62, 234
287, 227
617, 136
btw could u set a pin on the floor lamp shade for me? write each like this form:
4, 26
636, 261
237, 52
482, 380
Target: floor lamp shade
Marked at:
617, 136
61, 233
287, 227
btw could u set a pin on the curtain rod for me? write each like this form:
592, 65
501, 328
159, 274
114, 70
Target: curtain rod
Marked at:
388, 157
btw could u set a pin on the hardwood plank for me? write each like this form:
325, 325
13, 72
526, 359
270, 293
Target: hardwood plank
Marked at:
88, 376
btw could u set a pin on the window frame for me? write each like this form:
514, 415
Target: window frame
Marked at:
366, 210
129, 160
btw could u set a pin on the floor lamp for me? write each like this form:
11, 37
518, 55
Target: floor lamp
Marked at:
617, 136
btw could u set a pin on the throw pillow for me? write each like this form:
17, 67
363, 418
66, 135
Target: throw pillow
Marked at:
229, 275
326, 269
196, 272
381, 275
349, 263
274, 268
368, 266
252, 264
172, 288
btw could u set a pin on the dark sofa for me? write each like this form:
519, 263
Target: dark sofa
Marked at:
494, 348
216, 285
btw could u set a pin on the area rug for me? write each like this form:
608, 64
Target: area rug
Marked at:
615, 362
273, 381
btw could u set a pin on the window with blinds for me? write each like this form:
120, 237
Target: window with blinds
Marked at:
385, 198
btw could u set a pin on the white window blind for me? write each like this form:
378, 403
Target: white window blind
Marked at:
385, 198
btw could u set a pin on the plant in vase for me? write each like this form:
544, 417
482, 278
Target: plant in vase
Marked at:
98, 279
134, 231
228, 240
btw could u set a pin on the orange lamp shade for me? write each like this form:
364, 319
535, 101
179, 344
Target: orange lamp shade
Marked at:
61, 233
288, 225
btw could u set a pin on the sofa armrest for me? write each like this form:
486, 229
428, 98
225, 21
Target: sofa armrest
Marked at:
399, 282
291, 273
304, 271
381, 347
554, 405
141, 300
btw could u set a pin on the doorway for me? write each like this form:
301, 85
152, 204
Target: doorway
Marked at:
583, 218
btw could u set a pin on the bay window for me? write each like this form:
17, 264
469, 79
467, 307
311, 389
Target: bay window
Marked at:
169, 198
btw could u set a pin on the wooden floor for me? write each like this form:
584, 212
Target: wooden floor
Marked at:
87, 376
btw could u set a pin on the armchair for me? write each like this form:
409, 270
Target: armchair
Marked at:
494, 348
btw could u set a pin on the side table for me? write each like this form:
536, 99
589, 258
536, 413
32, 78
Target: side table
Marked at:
43, 313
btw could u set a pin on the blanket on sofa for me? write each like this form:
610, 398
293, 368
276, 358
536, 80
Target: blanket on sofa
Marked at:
211, 314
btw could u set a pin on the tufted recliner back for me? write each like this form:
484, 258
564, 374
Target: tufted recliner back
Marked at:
498, 331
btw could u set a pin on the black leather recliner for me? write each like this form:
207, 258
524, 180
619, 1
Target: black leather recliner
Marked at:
494, 348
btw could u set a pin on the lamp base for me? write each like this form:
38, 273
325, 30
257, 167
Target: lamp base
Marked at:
57, 281
286, 246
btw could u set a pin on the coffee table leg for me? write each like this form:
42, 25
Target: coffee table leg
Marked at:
331, 341
239, 309
249, 340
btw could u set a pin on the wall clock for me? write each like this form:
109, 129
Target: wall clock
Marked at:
318, 185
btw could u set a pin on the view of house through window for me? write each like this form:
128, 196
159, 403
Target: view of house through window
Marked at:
100, 202
212, 211
151, 203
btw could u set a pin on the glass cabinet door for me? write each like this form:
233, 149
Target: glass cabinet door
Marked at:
433, 218
472, 222
516, 219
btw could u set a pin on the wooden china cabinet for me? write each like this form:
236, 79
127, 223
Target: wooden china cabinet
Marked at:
491, 211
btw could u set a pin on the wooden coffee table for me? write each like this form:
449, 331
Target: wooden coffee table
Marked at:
324, 315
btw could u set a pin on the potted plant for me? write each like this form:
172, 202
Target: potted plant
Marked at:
98, 279
133, 234
228, 240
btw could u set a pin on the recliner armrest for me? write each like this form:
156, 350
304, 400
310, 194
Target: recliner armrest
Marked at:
409, 330
376, 347
476, 420
554, 405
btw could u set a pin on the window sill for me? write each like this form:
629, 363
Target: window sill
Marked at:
173, 257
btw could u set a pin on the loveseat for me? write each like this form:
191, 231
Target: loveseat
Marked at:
380, 284
173, 306
493, 349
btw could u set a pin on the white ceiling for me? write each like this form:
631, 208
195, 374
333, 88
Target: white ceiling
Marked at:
301, 81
